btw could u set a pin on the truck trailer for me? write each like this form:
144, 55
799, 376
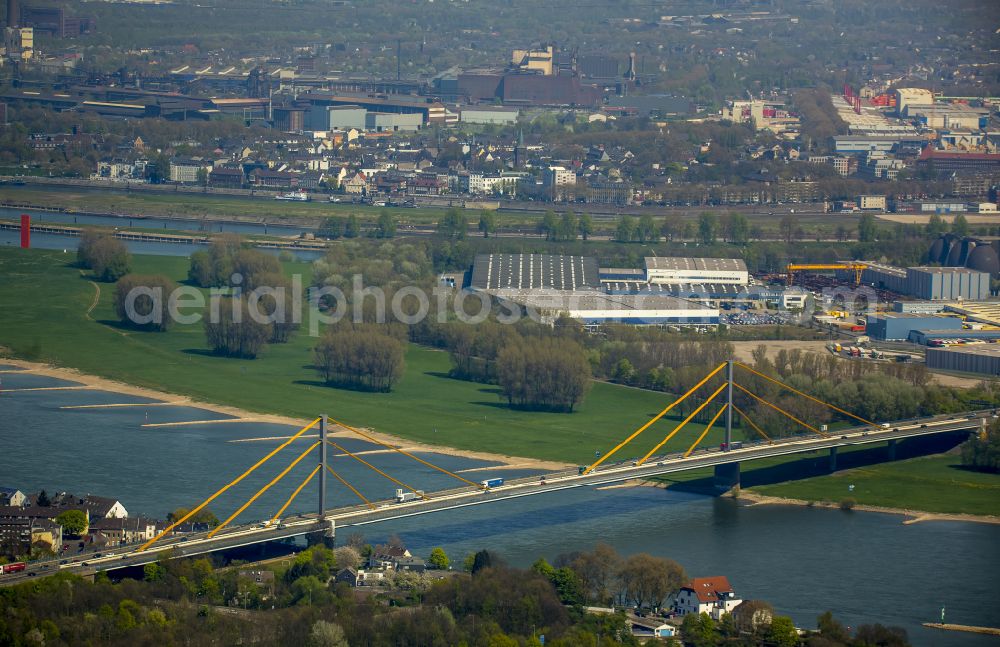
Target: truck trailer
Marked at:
402, 496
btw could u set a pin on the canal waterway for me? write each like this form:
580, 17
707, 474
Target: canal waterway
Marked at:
865, 567
11, 238
204, 226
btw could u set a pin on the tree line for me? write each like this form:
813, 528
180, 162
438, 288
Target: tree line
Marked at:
360, 356
982, 451
106, 256
179, 601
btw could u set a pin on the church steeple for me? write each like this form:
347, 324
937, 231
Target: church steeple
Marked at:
519, 150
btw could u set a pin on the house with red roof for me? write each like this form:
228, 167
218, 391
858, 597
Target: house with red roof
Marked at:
711, 595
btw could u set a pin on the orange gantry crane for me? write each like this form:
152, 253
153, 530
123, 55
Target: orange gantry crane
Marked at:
857, 268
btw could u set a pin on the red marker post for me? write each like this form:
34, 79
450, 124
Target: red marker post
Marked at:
25, 231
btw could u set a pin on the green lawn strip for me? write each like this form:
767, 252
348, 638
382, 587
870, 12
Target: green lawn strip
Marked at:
49, 299
929, 483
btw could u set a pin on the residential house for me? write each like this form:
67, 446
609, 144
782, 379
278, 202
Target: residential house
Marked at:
47, 534
388, 184
356, 185
370, 578
190, 527
610, 192
186, 170
711, 595
116, 169
312, 180
125, 530
559, 181
12, 497
266, 178
423, 184
415, 564
99, 507
336, 176
15, 537
226, 178
19, 535
347, 576
384, 556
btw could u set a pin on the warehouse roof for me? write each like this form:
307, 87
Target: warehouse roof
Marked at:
686, 263
982, 311
970, 349
628, 304
945, 270
684, 290
534, 272
912, 315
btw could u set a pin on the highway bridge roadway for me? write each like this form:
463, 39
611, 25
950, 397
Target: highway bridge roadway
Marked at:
359, 515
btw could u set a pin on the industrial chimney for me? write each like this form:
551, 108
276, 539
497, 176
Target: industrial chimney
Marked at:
630, 73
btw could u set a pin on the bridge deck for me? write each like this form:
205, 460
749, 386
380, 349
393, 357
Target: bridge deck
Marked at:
358, 515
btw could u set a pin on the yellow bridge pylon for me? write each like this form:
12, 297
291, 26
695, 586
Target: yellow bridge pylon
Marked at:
322, 468
728, 408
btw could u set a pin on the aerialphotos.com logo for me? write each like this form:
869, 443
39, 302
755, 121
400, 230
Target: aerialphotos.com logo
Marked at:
410, 305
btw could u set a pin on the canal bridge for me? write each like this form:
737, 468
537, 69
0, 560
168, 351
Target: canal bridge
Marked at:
725, 459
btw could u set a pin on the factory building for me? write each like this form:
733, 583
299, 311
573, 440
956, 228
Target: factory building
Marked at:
910, 96
660, 269
492, 272
897, 326
724, 295
598, 308
388, 122
937, 338
337, 117
431, 111
929, 283
918, 307
947, 283
489, 115
979, 358
859, 144
551, 286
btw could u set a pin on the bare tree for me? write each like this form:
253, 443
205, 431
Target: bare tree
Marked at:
648, 580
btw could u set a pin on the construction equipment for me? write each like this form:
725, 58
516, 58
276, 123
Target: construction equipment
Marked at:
857, 268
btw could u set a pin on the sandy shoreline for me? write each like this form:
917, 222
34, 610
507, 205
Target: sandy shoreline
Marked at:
112, 386
913, 516
753, 498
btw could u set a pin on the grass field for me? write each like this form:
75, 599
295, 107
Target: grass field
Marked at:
47, 319
928, 483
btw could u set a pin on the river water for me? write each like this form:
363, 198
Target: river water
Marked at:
177, 224
865, 567
55, 241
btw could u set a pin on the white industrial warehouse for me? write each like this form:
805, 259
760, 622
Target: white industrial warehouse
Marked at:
551, 286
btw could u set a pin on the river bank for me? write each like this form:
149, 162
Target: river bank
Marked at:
751, 498
113, 386
913, 516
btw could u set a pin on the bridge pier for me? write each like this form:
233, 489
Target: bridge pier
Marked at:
322, 465
833, 459
727, 476
892, 449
